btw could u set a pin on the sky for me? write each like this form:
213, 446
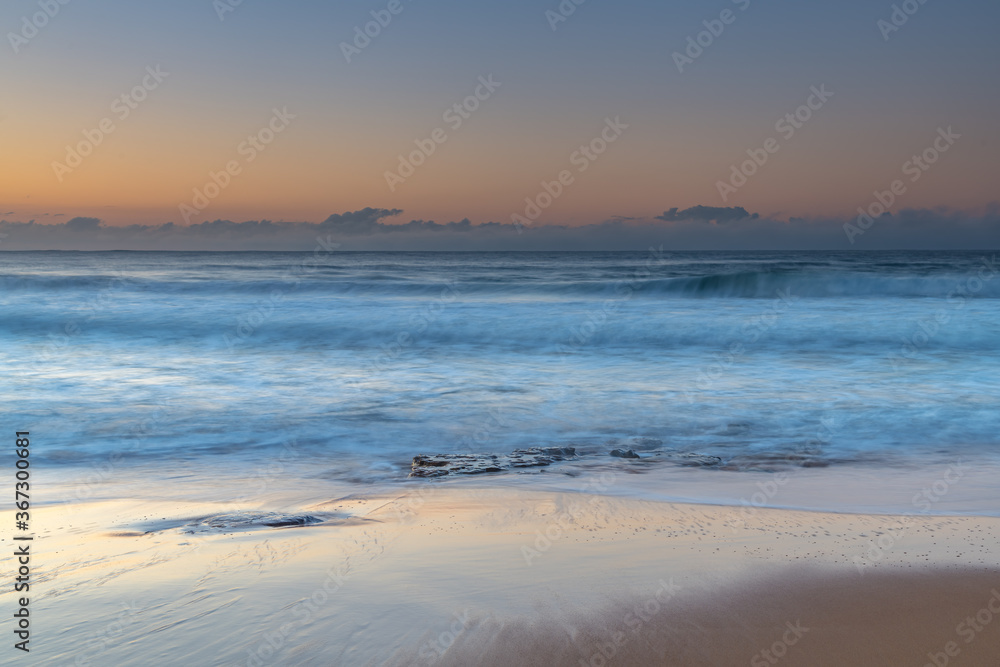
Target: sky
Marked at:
759, 123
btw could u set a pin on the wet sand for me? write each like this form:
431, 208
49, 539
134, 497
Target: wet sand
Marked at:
461, 575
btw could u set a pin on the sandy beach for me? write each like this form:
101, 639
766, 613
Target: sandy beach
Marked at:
492, 575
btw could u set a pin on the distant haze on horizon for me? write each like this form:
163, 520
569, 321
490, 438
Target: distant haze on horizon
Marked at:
737, 123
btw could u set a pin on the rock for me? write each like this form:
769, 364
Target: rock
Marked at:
455, 464
247, 520
539, 456
624, 453
556, 452
441, 465
775, 461
697, 460
636, 444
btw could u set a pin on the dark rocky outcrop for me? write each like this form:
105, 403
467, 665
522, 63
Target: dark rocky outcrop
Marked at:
440, 465
693, 460
624, 453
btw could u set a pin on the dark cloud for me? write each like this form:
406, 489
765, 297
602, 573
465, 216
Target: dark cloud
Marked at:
711, 214
695, 228
369, 221
83, 224
365, 221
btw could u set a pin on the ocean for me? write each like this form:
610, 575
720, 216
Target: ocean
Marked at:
244, 372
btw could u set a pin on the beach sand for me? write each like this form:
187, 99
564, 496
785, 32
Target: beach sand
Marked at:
492, 575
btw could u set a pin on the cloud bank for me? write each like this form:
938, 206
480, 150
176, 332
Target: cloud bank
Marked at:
695, 228
711, 214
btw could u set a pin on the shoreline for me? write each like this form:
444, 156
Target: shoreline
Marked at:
920, 491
